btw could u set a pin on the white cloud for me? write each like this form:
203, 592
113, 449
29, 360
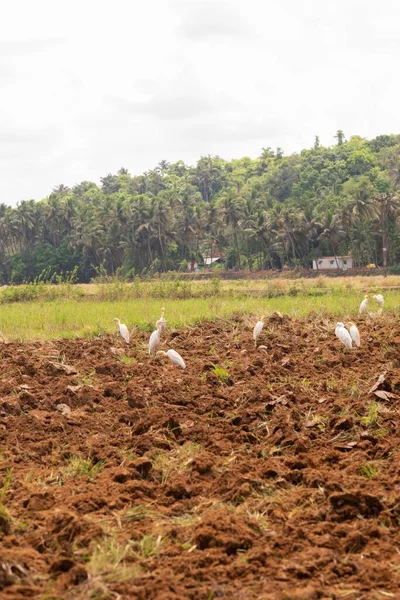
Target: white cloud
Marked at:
90, 86
205, 19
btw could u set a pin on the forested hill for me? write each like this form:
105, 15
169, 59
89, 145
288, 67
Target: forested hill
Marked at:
266, 212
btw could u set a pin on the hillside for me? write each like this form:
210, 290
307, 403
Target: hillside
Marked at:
266, 212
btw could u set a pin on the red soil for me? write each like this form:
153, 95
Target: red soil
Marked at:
269, 485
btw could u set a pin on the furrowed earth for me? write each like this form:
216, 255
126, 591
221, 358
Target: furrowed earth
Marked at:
256, 473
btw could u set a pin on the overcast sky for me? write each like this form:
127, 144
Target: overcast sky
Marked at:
89, 86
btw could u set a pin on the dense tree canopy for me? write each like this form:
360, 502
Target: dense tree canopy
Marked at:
255, 213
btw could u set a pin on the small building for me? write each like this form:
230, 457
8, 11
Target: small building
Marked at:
333, 262
215, 260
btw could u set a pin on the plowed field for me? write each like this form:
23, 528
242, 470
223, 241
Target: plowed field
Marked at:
274, 476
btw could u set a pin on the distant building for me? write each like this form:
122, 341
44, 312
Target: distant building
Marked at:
333, 262
208, 261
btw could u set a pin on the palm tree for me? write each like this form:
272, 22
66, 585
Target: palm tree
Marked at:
137, 237
231, 211
87, 233
187, 225
27, 214
387, 208
159, 226
332, 232
258, 227
287, 223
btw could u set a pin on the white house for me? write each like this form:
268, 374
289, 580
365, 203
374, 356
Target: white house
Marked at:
334, 262
208, 261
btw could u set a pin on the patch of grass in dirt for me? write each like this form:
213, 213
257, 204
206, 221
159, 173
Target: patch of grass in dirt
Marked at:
53, 478
221, 373
372, 418
175, 461
126, 360
149, 545
108, 563
86, 378
369, 470
186, 520
5, 517
138, 513
128, 454
82, 467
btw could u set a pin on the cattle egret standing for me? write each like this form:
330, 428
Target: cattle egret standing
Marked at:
363, 305
345, 337
174, 357
381, 301
258, 329
339, 325
154, 341
123, 330
162, 323
354, 333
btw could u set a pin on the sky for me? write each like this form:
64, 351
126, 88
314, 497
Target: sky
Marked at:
89, 86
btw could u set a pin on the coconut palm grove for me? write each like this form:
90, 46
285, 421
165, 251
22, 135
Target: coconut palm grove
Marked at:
268, 212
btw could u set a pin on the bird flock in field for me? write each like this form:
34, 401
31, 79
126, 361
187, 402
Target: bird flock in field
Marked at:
351, 335
154, 341
347, 335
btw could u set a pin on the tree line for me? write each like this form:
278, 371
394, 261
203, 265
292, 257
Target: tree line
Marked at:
264, 213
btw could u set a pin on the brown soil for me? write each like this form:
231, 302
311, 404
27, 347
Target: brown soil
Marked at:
267, 485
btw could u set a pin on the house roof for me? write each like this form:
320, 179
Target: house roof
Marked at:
333, 257
209, 260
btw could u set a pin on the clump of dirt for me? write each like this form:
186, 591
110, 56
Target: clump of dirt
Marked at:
256, 473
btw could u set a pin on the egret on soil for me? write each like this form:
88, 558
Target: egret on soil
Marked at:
123, 330
363, 305
381, 301
343, 335
154, 341
338, 327
174, 357
258, 329
354, 333
162, 323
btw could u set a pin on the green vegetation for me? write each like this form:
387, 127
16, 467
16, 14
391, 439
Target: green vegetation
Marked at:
138, 513
369, 470
221, 373
82, 467
372, 418
175, 461
268, 212
148, 546
108, 563
92, 313
5, 517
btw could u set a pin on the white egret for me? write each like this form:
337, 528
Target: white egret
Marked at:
162, 323
258, 329
154, 341
381, 301
123, 330
174, 357
339, 325
354, 333
345, 337
363, 305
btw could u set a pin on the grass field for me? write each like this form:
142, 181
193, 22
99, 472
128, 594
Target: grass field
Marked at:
48, 312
